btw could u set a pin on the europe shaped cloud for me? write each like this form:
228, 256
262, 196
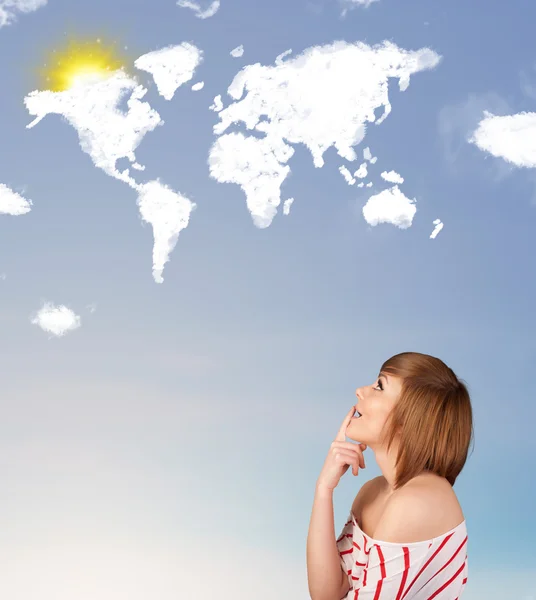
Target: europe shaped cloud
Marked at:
511, 137
390, 206
10, 8
57, 320
12, 203
171, 66
210, 11
312, 100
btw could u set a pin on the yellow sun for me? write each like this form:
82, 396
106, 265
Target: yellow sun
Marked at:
80, 62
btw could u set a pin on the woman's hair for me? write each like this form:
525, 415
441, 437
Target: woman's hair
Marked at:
433, 417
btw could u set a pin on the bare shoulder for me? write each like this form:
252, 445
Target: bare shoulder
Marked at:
368, 491
423, 509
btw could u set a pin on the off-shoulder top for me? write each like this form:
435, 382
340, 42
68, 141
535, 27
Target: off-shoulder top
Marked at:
432, 569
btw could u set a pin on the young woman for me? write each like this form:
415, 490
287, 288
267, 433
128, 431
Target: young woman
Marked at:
406, 536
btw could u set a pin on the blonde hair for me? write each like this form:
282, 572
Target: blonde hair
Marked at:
432, 417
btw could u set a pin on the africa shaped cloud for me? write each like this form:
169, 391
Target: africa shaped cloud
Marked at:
314, 99
168, 212
199, 12
511, 137
171, 66
390, 206
10, 8
12, 203
57, 320
106, 133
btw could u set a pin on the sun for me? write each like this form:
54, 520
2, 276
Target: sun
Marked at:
81, 62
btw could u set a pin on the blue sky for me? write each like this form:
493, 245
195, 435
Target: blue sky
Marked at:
176, 436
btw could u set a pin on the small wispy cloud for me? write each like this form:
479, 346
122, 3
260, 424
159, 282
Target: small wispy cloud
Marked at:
237, 52
349, 4
12, 203
510, 137
199, 12
10, 8
57, 320
392, 177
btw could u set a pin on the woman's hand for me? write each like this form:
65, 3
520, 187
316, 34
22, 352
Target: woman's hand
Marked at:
341, 455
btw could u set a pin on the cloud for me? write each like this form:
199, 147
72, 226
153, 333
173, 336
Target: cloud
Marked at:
237, 52
510, 137
12, 203
392, 177
108, 134
364, 3
199, 12
169, 213
350, 4
312, 99
457, 122
171, 66
390, 206
57, 320
10, 8
438, 227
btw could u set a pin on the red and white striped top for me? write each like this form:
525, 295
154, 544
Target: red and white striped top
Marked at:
432, 569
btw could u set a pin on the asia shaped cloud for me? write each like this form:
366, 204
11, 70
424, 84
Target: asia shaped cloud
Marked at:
210, 11
511, 137
12, 203
171, 66
313, 100
10, 8
390, 206
57, 320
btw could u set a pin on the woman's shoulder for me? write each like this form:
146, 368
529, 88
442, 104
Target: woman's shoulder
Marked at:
445, 509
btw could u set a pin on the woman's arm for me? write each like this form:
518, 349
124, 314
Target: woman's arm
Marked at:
324, 573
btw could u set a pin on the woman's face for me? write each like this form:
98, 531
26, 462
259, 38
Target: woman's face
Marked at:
374, 402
